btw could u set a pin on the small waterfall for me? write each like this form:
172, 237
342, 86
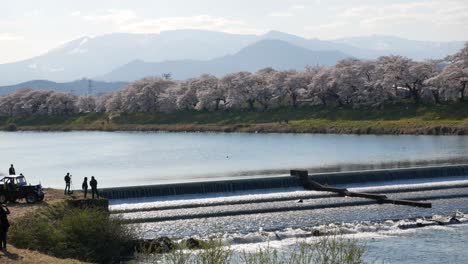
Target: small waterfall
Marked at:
200, 187
390, 174
237, 185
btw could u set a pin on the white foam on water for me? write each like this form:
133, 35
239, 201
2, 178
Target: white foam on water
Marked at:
356, 230
293, 193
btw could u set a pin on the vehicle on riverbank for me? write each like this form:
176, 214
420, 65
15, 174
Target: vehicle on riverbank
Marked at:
15, 187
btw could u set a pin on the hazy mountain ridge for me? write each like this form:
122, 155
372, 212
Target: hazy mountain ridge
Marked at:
419, 50
278, 54
100, 55
78, 87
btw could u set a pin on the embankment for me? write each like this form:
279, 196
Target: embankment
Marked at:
449, 119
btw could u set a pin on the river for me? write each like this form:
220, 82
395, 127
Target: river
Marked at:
140, 158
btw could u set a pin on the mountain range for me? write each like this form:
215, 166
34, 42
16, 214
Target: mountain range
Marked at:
188, 53
78, 87
273, 53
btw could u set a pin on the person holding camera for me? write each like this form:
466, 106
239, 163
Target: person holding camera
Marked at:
67, 184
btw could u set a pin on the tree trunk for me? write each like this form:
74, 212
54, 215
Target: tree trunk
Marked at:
251, 104
294, 100
436, 95
462, 92
264, 105
324, 101
414, 92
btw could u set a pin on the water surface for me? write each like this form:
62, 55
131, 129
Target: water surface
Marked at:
137, 158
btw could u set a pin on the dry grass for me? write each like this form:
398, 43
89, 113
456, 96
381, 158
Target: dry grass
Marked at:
52, 196
15, 255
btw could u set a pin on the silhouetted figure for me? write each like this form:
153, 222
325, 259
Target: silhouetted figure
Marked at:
94, 190
12, 171
11, 185
84, 186
67, 184
4, 226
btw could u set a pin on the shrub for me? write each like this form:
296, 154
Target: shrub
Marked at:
88, 234
11, 127
210, 252
325, 250
213, 252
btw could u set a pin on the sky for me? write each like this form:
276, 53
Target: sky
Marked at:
31, 27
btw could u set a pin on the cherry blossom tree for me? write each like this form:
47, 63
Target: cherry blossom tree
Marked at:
241, 89
456, 73
209, 92
86, 104
186, 94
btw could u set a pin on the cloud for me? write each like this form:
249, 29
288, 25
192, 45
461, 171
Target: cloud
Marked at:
431, 12
203, 22
289, 12
76, 13
298, 7
9, 37
279, 14
438, 17
129, 21
112, 16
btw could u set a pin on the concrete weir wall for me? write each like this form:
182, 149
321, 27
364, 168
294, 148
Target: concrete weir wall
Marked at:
236, 185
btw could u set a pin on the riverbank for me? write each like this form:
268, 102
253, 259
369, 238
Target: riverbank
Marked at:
24, 256
451, 119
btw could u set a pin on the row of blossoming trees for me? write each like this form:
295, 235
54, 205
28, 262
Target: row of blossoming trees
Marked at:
353, 82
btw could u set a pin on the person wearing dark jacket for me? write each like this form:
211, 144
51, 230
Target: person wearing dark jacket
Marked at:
67, 184
84, 186
4, 226
12, 171
94, 190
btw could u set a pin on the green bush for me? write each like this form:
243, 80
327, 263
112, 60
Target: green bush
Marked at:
88, 234
325, 250
11, 127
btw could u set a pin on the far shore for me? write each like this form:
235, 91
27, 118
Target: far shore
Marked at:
364, 128
399, 119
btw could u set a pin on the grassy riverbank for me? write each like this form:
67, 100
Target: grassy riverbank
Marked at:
27, 256
450, 119
65, 229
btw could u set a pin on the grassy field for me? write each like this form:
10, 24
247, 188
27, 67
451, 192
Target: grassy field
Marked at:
447, 119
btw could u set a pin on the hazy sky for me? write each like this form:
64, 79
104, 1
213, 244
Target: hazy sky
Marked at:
31, 27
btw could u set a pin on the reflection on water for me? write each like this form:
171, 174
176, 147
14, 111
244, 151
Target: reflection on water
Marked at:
130, 158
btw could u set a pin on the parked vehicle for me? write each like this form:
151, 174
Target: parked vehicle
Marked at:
15, 187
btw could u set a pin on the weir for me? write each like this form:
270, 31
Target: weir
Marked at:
262, 183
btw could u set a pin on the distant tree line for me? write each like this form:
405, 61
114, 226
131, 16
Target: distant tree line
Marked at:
353, 82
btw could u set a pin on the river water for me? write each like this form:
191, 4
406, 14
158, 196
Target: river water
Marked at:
137, 158
131, 158
419, 235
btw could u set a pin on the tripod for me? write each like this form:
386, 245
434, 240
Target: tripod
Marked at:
70, 191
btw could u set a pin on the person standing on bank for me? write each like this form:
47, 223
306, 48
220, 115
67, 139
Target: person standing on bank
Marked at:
67, 183
12, 171
84, 186
93, 184
4, 226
